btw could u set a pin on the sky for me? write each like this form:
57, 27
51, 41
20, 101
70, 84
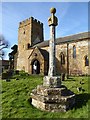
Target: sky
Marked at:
72, 18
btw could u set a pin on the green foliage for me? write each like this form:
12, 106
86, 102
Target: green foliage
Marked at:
15, 94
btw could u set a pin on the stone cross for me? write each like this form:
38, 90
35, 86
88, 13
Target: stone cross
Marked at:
52, 21
52, 96
52, 80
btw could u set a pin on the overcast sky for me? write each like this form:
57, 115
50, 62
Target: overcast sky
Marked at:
72, 18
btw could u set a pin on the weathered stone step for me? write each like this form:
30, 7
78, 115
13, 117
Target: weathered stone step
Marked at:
42, 90
53, 98
51, 107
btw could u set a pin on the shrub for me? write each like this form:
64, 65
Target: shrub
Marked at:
17, 72
4, 75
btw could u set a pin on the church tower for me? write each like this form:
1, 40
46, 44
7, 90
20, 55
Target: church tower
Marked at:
30, 32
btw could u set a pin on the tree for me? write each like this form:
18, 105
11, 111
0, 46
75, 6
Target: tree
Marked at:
3, 45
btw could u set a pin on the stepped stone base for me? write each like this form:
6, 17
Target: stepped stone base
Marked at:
53, 99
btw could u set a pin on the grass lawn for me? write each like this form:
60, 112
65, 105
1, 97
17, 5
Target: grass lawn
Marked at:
15, 96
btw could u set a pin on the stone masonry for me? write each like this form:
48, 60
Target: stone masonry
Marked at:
52, 96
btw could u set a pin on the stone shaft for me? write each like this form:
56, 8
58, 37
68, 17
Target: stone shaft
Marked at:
52, 81
52, 62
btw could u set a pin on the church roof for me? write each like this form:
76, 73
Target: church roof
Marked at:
71, 38
44, 53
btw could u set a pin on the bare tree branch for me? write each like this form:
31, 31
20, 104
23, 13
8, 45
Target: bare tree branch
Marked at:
3, 45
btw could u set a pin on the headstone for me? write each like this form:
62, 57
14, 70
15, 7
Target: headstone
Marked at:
7, 80
17, 78
17, 72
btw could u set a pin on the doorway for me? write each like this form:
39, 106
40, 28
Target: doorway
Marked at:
35, 67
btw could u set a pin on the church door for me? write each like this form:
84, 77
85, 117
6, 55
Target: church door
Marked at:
35, 67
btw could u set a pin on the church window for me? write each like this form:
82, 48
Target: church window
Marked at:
74, 51
86, 61
62, 57
24, 32
28, 45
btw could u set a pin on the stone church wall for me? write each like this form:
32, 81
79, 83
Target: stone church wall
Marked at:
22, 63
61, 48
77, 65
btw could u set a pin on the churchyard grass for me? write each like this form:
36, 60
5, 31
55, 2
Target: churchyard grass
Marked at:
16, 94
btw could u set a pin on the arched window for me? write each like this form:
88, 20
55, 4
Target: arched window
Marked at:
24, 32
86, 61
74, 51
28, 46
62, 57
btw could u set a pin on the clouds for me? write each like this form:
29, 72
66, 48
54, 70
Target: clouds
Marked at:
0, 17
75, 20
64, 10
69, 28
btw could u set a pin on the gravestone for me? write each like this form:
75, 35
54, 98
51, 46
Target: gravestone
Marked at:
52, 95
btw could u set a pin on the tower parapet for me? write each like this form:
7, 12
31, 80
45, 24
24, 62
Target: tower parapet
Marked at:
30, 32
29, 21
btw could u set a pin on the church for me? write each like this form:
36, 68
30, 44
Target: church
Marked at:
32, 53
